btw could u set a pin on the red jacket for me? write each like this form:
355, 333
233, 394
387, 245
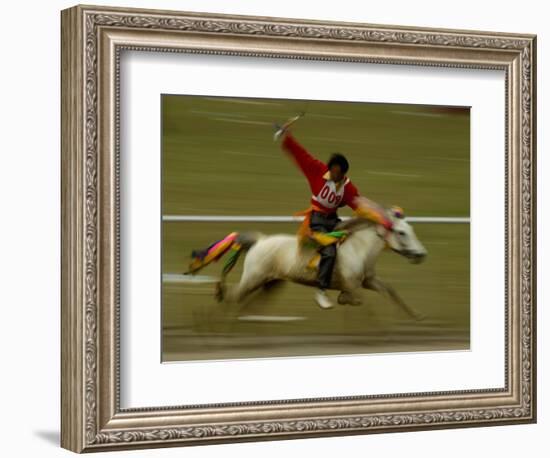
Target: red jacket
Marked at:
327, 195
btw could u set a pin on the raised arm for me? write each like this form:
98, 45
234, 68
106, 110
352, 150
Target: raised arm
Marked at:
309, 165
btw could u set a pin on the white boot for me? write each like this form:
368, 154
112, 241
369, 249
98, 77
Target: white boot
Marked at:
323, 300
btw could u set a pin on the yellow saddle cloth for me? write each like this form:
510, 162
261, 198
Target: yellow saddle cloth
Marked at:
313, 263
322, 239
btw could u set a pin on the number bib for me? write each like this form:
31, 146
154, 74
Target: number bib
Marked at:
329, 196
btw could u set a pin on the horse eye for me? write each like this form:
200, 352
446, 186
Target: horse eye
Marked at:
402, 233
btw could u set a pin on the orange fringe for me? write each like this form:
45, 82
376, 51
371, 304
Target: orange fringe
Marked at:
304, 232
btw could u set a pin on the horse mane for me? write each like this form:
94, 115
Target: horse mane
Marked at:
354, 224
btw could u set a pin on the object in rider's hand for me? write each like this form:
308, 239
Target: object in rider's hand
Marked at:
280, 130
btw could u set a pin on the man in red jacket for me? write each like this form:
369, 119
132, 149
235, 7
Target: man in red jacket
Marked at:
331, 189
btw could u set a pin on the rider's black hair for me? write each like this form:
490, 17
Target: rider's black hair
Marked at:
338, 159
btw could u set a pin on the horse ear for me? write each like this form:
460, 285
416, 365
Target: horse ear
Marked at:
397, 212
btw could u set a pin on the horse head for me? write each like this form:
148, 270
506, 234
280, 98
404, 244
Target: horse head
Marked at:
402, 239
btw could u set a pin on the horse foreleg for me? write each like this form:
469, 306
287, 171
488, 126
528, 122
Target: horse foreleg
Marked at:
383, 288
349, 286
348, 297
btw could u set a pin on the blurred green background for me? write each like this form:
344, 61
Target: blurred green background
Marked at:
219, 158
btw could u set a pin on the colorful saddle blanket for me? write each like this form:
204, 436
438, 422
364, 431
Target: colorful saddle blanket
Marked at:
322, 239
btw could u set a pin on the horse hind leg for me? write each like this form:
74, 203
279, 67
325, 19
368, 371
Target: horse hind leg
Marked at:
238, 293
256, 273
247, 287
220, 291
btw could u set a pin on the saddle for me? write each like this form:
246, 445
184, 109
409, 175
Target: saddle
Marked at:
320, 240
307, 237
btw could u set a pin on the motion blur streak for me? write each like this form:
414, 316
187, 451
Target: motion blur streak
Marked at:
222, 172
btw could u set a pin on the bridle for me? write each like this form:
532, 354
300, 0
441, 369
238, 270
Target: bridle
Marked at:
383, 234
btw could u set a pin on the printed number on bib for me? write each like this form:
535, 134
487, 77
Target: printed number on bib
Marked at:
329, 197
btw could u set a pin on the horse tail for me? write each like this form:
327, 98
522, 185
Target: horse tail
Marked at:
234, 243
247, 239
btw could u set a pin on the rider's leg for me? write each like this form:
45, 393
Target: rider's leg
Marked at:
326, 265
322, 223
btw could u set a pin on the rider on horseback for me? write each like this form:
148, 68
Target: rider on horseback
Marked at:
331, 189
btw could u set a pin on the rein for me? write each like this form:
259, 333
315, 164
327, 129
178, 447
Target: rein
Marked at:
384, 236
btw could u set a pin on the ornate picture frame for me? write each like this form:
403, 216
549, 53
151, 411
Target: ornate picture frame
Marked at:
92, 41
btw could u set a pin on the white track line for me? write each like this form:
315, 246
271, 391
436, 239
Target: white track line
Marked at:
290, 219
180, 278
272, 318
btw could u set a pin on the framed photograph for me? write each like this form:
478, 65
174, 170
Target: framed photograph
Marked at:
279, 228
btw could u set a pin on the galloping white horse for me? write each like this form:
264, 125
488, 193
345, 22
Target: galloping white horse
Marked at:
271, 258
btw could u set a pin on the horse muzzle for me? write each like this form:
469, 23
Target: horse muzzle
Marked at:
415, 257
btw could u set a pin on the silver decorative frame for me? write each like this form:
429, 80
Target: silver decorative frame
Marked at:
92, 39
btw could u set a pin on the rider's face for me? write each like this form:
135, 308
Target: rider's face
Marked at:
336, 173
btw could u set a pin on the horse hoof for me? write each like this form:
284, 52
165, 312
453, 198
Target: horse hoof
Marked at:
419, 316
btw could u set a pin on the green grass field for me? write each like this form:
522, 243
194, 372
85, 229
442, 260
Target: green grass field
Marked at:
219, 159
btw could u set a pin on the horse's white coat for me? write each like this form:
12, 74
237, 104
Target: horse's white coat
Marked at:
279, 257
